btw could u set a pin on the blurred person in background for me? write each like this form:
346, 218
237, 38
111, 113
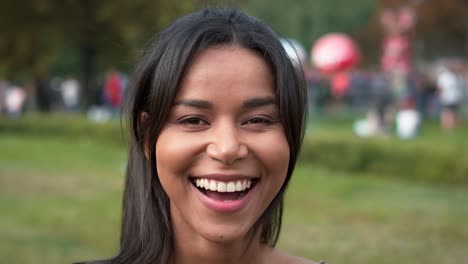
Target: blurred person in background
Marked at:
450, 95
70, 92
113, 90
426, 94
217, 113
15, 98
382, 99
407, 119
359, 89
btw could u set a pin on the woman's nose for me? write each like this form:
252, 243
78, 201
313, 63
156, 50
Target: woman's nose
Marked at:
226, 145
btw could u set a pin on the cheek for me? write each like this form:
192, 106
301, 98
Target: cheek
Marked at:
280, 162
274, 153
175, 153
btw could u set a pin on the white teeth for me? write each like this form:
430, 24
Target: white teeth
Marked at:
239, 186
219, 186
231, 187
213, 186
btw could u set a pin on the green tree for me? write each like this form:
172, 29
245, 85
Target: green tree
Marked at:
307, 20
100, 33
441, 28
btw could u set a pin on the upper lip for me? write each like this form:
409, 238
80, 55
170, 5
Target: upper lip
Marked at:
224, 177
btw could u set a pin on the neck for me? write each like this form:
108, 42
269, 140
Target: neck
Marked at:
200, 250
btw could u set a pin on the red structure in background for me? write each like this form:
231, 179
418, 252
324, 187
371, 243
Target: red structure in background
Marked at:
396, 53
339, 85
334, 53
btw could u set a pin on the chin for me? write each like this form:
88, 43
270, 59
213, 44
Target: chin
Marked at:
224, 233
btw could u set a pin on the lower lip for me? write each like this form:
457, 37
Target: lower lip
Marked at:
224, 206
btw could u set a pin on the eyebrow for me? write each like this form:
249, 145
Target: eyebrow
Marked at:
194, 103
250, 103
258, 102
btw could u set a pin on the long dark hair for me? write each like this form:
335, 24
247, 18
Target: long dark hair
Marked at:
146, 231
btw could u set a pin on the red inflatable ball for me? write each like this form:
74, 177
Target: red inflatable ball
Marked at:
335, 52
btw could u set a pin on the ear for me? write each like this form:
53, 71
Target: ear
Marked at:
143, 118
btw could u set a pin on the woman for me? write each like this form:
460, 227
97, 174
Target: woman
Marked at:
450, 96
217, 119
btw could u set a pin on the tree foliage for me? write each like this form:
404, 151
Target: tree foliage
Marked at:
307, 20
441, 26
96, 34
82, 37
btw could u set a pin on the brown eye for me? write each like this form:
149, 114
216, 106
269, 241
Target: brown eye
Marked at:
193, 121
260, 121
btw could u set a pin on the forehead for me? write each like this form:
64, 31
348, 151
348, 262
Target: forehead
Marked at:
227, 70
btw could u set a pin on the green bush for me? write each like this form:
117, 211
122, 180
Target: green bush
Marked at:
431, 158
389, 157
62, 125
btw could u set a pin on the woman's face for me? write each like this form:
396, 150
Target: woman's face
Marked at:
223, 155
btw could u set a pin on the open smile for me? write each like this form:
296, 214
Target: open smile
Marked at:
224, 196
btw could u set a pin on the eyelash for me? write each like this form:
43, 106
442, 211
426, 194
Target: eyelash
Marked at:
197, 121
192, 121
260, 120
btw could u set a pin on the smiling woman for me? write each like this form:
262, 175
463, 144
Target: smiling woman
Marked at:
224, 142
217, 113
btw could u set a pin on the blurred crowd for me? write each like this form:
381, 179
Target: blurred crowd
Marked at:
65, 94
437, 91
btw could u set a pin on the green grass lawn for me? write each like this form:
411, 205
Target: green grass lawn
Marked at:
430, 132
363, 219
60, 201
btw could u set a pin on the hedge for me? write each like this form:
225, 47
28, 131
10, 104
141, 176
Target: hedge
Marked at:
389, 157
423, 160
71, 126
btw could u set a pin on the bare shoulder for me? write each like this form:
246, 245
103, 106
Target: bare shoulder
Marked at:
279, 257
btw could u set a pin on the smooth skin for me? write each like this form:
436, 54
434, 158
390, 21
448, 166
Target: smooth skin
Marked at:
224, 122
